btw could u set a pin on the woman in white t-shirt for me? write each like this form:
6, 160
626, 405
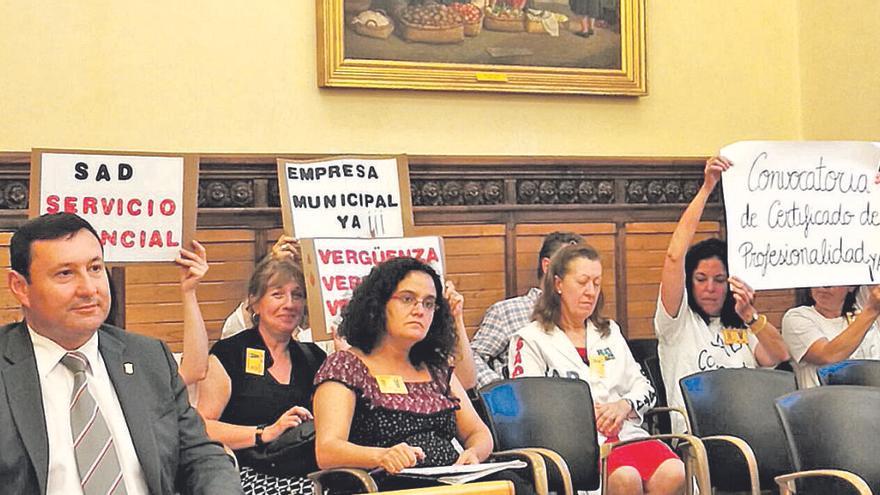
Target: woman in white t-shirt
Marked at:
570, 338
702, 313
826, 326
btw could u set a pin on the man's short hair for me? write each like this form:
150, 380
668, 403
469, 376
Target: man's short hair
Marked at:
552, 243
46, 227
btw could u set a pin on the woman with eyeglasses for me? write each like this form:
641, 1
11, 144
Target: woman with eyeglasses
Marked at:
830, 324
259, 382
392, 401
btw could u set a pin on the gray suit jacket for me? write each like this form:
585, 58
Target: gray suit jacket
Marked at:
169, 436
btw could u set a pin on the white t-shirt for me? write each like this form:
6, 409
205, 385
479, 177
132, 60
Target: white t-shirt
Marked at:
803, 326
687, 345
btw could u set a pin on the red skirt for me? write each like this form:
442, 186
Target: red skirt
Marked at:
645, 456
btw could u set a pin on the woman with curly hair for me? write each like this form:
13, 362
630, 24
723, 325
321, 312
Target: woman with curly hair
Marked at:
392, 400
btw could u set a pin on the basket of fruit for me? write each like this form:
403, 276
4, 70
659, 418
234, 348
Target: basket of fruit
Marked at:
472, 16
504, 18
431, 23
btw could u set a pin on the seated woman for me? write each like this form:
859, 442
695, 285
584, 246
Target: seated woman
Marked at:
825, 327
702, 314
259, 381
570, 338
392, 401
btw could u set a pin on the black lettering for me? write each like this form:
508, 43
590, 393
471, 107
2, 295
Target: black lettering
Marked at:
103, 174
125, 171
82, 171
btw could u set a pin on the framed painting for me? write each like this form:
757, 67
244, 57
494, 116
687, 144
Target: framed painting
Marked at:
516, 46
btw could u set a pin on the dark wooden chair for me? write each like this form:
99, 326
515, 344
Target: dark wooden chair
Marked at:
851, 372
831, 434
732, 411
555, 417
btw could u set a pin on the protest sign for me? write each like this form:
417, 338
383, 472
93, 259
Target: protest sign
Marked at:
803, 214
335, 267
143, 206
345, 197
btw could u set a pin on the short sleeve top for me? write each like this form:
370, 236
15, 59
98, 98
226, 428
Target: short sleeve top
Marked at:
423, 417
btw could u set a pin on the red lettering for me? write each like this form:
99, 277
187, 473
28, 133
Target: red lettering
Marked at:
52, 204
354, 281
350, 256
517, 359
131, 207
143, 239
518, 370
167, 207
337, 257
365, 258
127, 239
432, 256
328, 282
336, 306
155, 239
90, 205
519, 344
325, 255
169, 239
108, 238
70, 204
107, 205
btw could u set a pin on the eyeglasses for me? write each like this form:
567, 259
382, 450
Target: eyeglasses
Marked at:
409, 300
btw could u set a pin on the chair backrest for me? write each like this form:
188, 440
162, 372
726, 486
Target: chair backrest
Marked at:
832, 428
554, 413
851, 372
659, 422
739, 402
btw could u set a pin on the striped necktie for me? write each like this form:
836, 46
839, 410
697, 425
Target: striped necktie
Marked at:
96, 460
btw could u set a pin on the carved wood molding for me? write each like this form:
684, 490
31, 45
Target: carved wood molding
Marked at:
242, 190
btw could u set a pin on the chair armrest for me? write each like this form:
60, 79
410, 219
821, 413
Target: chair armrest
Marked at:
858, 483
696, 463
535, 462
360, 476
669, 410
747, 453
478, 488
561, 466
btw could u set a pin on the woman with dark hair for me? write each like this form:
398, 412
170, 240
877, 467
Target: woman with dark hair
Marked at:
570, 338
392, 400
259, 382
705, 319
827, 325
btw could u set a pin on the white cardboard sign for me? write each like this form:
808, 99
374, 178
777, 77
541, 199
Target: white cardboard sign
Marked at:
803, 214
335, 267
136, 203
345, 197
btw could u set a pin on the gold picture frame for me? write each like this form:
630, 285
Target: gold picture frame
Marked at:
516, 62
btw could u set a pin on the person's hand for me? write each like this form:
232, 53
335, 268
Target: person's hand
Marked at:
873, 300
712, 172
339, 342
399, 457
610, 416
287, 247
291, 418
744, 297
454, 299
467, 456
193, 266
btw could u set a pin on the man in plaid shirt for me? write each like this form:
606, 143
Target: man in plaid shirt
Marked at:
504, 318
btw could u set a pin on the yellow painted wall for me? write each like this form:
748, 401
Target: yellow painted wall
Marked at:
239, 76
840, 69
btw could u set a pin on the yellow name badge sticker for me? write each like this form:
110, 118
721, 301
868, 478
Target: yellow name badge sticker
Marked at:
391, 384
597, 365
734, 336
255, 361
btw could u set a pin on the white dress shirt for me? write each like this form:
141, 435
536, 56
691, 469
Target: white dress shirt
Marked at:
56, 384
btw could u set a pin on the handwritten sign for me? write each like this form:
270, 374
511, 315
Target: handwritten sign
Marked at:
142, 206
345, 197
803, 214
335, 267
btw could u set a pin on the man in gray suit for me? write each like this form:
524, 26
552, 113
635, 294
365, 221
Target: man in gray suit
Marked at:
86, 407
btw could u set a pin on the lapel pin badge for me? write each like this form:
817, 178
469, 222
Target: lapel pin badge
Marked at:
129, 368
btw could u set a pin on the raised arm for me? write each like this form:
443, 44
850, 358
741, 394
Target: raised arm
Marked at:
334, 409
825, 351
193, 267
465, 369
672, 276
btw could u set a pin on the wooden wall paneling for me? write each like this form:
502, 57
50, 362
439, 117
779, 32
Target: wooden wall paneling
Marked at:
475, 262
153, 294
9, 307
601, 236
